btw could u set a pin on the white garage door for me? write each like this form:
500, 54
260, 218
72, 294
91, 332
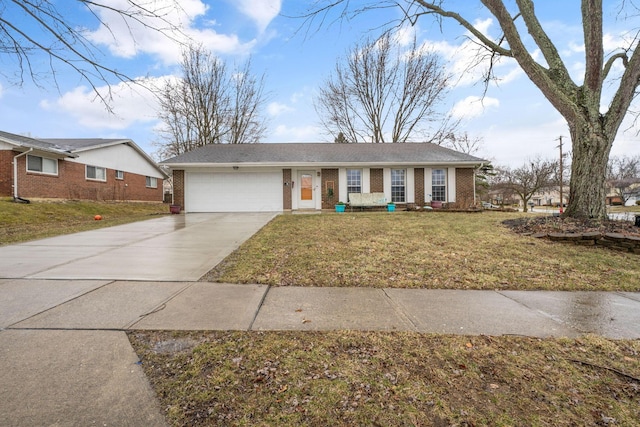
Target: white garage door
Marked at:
233, 192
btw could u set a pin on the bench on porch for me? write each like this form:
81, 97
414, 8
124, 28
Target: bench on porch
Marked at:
367, 200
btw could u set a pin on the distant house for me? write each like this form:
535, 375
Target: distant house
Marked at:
314, 176
89, 169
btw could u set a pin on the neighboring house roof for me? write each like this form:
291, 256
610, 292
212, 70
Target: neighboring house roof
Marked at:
23, 143
71, 147
321, 154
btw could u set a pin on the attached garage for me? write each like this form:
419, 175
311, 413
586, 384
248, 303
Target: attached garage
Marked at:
233, 191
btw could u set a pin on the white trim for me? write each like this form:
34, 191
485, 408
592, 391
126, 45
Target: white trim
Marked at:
342, 184
410, 186
366, 180
428, 183
386, 182
451, 185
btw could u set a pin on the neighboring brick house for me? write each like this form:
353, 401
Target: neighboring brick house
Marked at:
314, 176
89, 169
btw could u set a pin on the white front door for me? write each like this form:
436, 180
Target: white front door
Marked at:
306, 190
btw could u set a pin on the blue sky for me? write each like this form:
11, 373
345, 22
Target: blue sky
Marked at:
513, 119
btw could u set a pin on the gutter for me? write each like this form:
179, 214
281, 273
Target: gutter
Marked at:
15, 176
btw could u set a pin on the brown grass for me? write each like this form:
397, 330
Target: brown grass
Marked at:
390, 379
23, 222
418, 250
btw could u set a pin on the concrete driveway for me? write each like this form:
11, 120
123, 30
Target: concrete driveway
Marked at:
63, 363
171, 248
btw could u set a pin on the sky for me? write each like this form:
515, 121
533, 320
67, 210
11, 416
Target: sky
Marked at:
513, 120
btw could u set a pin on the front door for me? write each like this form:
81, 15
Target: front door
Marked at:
306, 190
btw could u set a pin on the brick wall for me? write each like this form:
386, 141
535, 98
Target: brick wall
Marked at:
376, 177
286, 189
464, 188
6, 172
178, 188
418, 174
330, 178
70, 183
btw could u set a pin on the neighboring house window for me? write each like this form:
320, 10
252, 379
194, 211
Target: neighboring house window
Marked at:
438, 185
42, 165
354, 181
152, 182
119, 174
96, 172
398, 185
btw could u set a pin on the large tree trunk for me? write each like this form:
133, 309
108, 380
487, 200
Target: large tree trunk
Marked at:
587, 193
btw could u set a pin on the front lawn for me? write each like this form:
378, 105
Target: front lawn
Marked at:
436, 250
348, 378
21, 222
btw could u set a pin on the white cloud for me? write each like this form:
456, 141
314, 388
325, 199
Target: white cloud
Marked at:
261, 12
1, 90
467, 61
131, 104
284, 133
276, 108
473, 106
126, 37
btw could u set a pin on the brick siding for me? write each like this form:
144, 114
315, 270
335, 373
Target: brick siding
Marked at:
70, 183
178, 188
464, 188
6, 172
330, 176
376, 177
286, 189
418, 174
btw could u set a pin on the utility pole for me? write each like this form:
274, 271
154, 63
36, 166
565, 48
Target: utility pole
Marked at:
561, 173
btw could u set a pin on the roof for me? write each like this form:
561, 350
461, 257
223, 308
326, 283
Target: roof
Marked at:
71, 147
321, 154
38, 144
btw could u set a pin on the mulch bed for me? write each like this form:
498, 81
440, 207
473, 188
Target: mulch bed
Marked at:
553, 224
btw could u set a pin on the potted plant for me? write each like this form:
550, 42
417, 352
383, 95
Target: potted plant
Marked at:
340, 206
391, 207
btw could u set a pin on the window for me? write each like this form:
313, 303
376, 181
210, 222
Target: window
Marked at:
96, 172
438, 185
42, 165
119, 174
354, 181
398, 185
152, 182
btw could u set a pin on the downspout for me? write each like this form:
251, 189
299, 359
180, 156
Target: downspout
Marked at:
15, 173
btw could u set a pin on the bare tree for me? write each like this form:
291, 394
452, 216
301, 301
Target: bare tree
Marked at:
463, 143
592, 127
33, 29
379, 93
623, 173
526, 180
209, 105
247, 98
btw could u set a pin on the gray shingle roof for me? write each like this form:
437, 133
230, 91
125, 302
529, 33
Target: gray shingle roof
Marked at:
27, 142
80, 144
322, 153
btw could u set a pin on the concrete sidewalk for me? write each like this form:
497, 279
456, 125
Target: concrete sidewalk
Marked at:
126, 305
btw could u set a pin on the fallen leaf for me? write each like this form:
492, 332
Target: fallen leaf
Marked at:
469, 345
299, 310
306, 320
